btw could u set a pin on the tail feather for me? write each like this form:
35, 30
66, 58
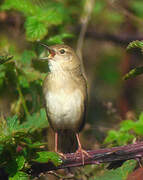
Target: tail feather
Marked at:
67, 142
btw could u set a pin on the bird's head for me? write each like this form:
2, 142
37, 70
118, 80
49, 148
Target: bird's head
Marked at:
61, 57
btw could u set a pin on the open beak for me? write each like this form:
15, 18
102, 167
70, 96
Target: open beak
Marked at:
51, 51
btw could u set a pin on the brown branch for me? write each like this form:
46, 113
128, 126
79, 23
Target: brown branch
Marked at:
108, 155
122, 39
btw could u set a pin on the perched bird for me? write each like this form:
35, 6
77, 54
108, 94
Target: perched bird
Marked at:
65, 93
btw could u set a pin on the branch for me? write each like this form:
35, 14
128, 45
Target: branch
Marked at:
108, 155
84, 20
123, 39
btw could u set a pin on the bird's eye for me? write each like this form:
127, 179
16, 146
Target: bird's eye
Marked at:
62, 51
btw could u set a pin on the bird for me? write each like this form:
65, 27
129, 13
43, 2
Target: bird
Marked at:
65, 93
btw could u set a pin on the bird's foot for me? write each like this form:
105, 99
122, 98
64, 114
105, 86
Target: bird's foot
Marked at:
83, 154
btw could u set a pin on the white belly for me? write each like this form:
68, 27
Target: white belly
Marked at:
64, 109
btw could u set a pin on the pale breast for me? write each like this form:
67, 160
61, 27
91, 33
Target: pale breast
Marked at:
64, 109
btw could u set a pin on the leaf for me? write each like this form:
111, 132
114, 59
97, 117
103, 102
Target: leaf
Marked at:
138, 128
4, 59
20, 162
141, 117
15, 165
46, 156
35, 29
120, 173
112, 136
136, 6
119, 137
58, 39
54, 13
135, 44
35, 121
133, 73
24, 6
23, 81
36, 145
11, 167
27, 56
127, 125
12, 123
19, 176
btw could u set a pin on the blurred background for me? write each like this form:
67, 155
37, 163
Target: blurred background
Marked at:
100, 31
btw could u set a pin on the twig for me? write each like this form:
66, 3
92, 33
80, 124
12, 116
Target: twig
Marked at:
122, 39
88, 6
21, 96
113, 155
115, 5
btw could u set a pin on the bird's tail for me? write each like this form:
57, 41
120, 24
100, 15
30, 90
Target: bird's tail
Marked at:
67, 142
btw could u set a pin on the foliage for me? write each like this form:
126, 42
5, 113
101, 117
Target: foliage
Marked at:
19, 146
120, 173
128, 132
22, 75
139, 70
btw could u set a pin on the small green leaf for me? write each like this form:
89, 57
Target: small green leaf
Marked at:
46, 156
133, 73
58, 39
23, 81
35, 29
27, 56
141, 117
135, 44
138, 128
36, 145
127, 125
19, 176
40, 118
12, 122
20, 162
112, 136
4, 59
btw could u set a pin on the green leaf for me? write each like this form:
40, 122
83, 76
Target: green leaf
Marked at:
141, 117
27, 56
55, 13
36, 145
20, 162
120, 173
23, 81
24, 6
46, 156
12, 123
138, 128
112, 136
35, 121
133, 73
19, 176
35, 29
58, 39
119, 137
127, 125
4, 59
137, 7
135, 44
11, 167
